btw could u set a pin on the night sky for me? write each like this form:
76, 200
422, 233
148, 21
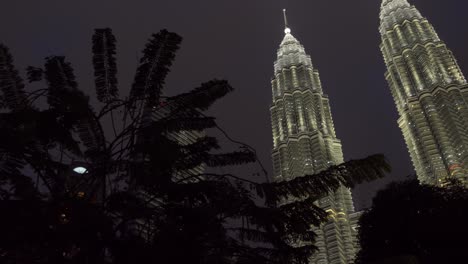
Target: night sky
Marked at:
237, 41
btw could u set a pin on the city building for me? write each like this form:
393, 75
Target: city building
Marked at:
430, 93
305, 143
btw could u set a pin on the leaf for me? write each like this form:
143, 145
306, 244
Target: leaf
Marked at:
34, 74
233, 158
61, 81
24, 140
347, 174
128, 204
104, 62
202, 144
92, 136
305, 211
10, 163
204, 96
253, 235
48, 128
73, 104
154, 67
23, 187
188, 124
11, 84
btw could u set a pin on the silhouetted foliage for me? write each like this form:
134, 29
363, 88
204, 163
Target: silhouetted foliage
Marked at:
154, 66
413, 223
11, 85
105, 67
34, 74
142, 188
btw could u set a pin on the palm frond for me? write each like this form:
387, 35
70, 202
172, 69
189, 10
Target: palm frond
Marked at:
105, 67
252, 235
128, 204
11, 84
305, 211
22, 187
233, 158
195, 154
206, 191
61, 79
10, 163
154, 66
187, 124
298, 255
49, 129
31, 127
23, 142
202, 145
13, 143
74, 104
91, 135
34, 74
347, 174
204, 96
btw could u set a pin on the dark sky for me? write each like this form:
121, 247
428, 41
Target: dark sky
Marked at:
237, 40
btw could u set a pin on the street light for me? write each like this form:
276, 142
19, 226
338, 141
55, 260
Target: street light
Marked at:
80, 170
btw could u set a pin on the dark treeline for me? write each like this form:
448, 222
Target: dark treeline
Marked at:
411, 223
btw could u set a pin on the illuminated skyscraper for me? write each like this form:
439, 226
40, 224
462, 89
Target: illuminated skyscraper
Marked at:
429, 90
305, 143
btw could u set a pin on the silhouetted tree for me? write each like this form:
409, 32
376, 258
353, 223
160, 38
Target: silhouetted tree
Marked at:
118, 185
413, 223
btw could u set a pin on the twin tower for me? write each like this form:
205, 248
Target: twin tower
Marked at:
430, 93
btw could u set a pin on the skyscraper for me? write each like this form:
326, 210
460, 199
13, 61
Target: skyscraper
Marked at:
305, 143
429, 90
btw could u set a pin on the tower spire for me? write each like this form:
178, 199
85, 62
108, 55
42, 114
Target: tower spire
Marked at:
287, 30
305, 143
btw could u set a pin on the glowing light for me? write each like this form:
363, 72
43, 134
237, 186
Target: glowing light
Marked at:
287, 30
80, 170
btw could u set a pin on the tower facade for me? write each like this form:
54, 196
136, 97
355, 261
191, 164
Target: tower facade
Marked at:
430, 93
305, 143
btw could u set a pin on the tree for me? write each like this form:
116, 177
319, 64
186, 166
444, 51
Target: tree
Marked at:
414, 223
78, 191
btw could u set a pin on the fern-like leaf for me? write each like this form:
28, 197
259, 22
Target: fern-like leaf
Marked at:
154, 66
11, 84
92, 136
104, 62
61, 79
10, 163
203, 144
34, 74
204, 96
74, 104
347, 174
189, 124
233, 158
305, 211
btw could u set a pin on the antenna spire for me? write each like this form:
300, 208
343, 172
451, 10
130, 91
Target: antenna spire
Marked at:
287, 30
